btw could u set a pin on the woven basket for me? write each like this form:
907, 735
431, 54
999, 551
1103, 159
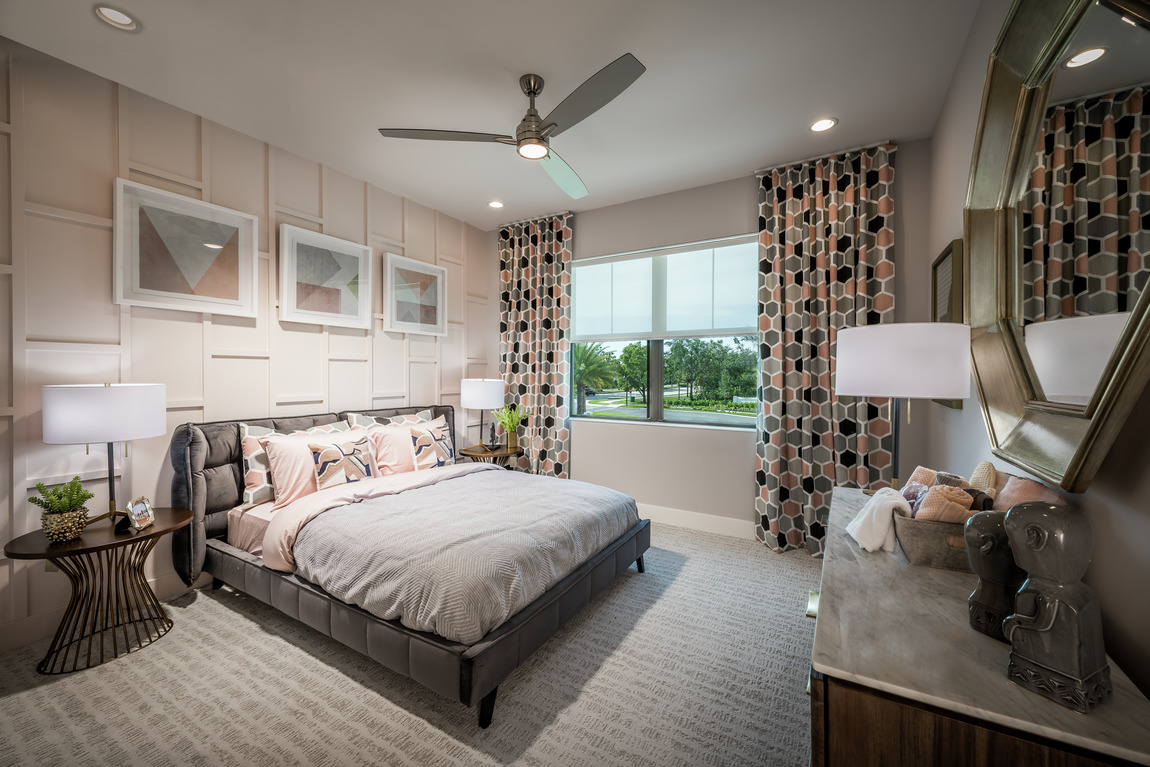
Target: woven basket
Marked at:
932, 544
68, 526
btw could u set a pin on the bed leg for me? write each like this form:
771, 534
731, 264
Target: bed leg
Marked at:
639, 564
487, 708
216, 583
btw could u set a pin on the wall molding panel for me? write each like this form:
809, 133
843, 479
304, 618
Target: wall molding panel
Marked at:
58, 323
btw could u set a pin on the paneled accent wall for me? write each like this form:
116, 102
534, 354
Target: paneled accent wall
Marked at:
65, 135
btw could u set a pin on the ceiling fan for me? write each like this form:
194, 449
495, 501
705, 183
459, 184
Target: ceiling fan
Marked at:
533, 135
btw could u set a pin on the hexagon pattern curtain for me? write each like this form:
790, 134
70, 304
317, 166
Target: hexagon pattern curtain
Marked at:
826, 240
535, 277
1086, 219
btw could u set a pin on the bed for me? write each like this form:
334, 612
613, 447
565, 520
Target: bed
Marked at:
209, 480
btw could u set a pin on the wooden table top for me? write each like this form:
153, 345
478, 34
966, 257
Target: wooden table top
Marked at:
97, 536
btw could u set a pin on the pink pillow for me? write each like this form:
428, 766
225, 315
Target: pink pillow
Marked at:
258, 486
293, 467
392, 446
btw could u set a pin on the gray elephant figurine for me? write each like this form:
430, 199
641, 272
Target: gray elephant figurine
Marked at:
988, 550
1055, 632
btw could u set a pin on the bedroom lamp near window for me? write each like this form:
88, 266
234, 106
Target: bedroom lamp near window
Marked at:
924, 360
85, 413
481, 394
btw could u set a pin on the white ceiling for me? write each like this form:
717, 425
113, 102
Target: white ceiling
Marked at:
731, 85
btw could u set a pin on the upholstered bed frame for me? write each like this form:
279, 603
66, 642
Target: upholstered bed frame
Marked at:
208, 479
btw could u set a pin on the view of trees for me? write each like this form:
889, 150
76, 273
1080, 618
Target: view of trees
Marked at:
708, 373
592, 367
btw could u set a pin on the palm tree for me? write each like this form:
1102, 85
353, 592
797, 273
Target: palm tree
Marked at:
591, 365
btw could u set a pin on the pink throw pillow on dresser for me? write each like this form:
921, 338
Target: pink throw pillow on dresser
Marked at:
293, 467
394, 452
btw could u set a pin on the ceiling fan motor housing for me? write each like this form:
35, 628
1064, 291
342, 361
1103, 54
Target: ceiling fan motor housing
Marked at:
530, 130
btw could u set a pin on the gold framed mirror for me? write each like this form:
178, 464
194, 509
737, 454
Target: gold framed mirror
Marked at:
1056, 432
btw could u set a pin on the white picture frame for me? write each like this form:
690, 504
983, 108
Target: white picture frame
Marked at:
323, 280
175, 252
416, 296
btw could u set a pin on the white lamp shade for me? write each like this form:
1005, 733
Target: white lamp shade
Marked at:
481, 393
907, 359
1070, 354
86, 413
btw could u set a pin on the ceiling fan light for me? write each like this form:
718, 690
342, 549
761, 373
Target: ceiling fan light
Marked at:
532, 149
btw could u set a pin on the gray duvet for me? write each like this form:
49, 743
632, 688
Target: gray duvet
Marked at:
460, 557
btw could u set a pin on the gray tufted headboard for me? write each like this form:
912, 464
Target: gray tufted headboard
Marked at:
209, 476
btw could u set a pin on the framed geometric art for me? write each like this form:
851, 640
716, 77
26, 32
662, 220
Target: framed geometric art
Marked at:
416, 296
173, 252
324, 280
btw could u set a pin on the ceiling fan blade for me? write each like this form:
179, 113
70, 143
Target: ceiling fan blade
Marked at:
561, 173
444, 135
595, 93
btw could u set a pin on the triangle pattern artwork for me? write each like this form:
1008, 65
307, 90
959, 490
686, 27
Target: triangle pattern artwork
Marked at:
188, 255
327, 281
415, 295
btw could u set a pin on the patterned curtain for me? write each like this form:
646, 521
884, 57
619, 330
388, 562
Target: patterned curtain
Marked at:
826, 237
535, 276
1086, 248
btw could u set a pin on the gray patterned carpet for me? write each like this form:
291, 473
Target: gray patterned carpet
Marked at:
702, 660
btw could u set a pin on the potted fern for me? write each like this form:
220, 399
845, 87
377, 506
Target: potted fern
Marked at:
64, 515
509, 417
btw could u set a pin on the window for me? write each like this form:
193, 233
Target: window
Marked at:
668, 335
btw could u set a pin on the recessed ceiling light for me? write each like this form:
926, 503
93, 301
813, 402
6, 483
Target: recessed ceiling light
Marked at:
1085, 57
213, 247
116, 18
823, 125
495, 204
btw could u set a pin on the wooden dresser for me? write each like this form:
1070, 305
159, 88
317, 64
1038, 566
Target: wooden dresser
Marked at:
900, 678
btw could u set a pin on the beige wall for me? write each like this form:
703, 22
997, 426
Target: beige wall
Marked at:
1116, 502
65, 135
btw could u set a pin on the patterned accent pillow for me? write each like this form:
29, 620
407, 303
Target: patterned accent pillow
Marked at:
258, 487
431, 442
340, 464
359, 419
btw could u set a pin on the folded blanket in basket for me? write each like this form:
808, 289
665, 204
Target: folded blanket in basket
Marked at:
945, 503
873, 527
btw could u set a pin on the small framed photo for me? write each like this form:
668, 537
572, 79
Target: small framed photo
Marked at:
140, 514
946, 294
175, 252
416, 294
324, 280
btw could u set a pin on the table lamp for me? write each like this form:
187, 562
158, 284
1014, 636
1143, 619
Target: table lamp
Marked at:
926, 360
80, 414
481, 394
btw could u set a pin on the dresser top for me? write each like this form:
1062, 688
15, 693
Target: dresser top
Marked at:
903, 629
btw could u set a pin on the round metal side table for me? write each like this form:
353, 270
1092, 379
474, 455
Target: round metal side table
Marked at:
499, 455
113, 609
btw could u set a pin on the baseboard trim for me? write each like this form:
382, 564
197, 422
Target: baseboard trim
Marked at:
693, 520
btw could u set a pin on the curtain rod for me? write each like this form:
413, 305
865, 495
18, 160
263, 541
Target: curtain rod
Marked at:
764, 171
535, 218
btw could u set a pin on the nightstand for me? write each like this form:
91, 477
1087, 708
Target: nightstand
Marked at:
113, 609
500, 455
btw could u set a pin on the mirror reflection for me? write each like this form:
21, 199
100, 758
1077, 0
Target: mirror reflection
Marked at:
1085, 218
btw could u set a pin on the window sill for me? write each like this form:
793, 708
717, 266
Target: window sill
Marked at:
665, 424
